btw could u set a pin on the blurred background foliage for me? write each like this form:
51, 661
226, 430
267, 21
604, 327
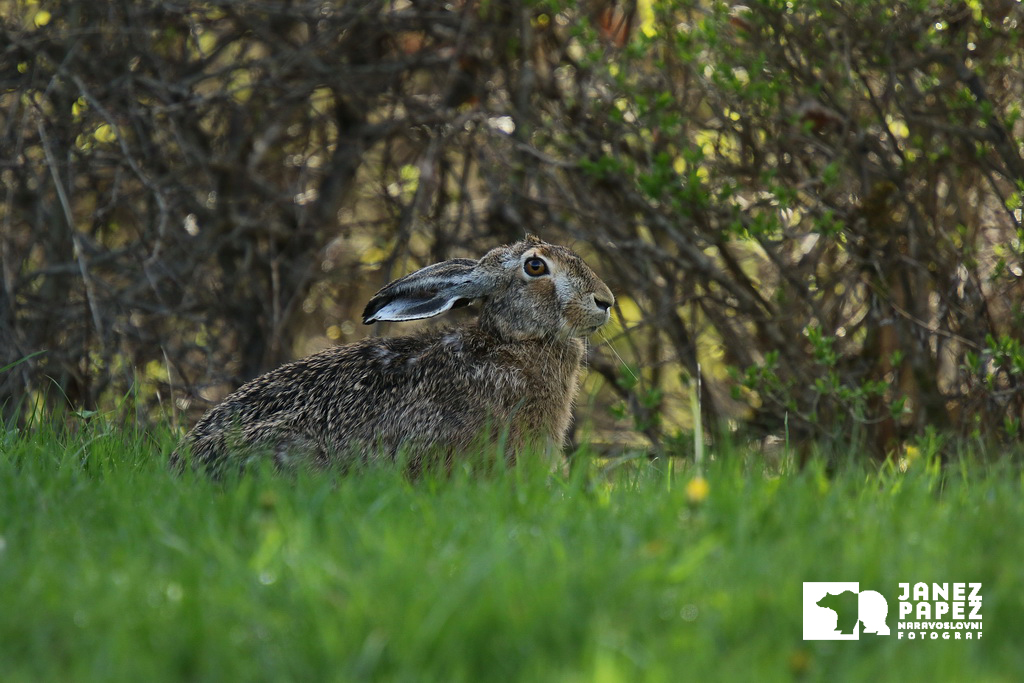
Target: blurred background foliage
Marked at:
813, 206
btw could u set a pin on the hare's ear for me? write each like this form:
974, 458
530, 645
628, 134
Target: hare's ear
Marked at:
428, 292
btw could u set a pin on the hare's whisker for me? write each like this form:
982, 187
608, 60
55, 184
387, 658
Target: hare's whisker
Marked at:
608, 343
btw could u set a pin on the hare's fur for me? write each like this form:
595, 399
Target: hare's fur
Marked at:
512, 374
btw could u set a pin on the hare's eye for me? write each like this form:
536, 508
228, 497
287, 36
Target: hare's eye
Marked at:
535, 267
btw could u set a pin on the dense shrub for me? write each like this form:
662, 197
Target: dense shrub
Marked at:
814, 205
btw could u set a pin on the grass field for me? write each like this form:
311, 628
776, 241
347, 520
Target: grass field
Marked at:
111, 568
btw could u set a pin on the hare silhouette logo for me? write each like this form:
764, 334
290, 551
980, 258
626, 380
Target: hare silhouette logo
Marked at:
839, 610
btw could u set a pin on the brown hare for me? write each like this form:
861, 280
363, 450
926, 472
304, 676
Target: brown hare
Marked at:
511, 375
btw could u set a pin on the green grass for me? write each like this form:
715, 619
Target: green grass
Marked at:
111, 568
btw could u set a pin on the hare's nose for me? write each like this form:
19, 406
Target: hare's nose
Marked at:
604, 304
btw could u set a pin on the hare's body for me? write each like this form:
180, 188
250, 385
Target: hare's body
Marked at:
514, 373
314, 405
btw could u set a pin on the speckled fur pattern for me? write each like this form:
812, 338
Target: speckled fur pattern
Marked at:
512, 374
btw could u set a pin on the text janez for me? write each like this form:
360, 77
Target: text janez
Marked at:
940, 609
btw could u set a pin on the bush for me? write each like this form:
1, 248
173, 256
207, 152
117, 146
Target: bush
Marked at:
814, 206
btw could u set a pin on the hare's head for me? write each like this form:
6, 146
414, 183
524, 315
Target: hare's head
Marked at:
528, 290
